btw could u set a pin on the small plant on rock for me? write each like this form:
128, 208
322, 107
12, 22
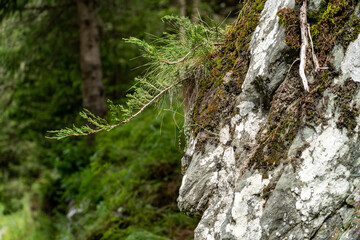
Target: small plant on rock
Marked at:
174, 59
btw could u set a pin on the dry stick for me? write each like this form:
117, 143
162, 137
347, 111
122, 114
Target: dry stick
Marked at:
138, 112
304, 45
316, 62
292, 65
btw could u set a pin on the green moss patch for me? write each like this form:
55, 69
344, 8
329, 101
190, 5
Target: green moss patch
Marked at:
334, 24
216, 96
292, 108
289, 18
282, 125
348, 111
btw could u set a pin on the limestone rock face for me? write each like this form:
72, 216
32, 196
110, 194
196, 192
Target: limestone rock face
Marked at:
289, 169
314, 5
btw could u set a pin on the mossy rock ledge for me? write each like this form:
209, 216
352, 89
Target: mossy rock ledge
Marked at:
265, 158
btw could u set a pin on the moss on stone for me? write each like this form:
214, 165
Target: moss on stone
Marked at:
333, 24
289, 18
216, 96
348, 111
282, 125
291, 108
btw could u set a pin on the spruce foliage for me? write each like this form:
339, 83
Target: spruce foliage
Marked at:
172, 59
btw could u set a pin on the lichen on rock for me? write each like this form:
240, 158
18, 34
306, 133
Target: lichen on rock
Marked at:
267, 160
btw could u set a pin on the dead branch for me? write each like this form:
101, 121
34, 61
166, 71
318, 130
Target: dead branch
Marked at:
305, 34
304, 44
292, 65
315, 60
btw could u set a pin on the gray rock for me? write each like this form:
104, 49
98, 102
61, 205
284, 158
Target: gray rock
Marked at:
314, 5
338, 54
267, 42
313, 193
357, 10
350, 66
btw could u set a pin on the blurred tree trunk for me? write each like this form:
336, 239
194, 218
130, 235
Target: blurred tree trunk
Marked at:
90, 60
182, 4
195, 7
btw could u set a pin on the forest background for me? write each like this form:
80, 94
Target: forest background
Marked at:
121, 184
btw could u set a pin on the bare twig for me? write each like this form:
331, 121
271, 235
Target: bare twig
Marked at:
293, 64
304, 44
194, 11
316, 63
315, 60
305, 34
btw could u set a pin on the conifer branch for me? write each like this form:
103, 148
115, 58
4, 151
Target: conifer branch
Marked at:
160, 78
182, 59
109, 127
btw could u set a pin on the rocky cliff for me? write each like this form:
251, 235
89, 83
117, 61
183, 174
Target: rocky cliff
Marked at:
267, 159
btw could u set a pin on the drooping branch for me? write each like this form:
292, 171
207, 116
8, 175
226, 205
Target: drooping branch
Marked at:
141, 109
149, 103
304, 44
159, 79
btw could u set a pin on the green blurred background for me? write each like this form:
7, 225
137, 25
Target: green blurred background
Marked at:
124, 185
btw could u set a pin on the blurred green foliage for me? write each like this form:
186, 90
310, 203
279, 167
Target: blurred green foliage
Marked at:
173, 58
125, 185
129, 182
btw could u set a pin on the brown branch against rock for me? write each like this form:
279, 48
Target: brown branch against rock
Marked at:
315, 60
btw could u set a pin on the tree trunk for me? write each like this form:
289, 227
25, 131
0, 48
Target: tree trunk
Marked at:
182, 4
90, 60
195, 11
